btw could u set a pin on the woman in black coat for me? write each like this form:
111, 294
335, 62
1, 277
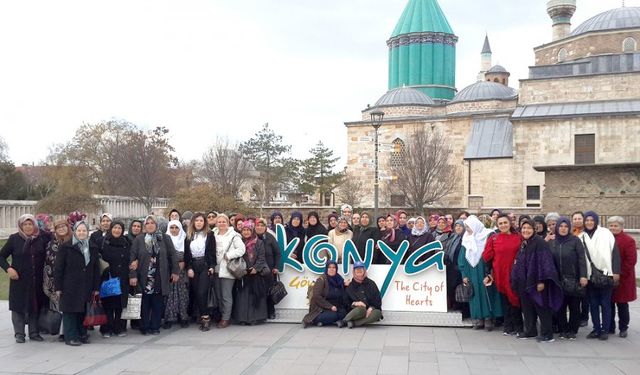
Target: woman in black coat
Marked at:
362, 233
77, 280
200, 261
273, 258
27, 249
116, 251
392, 237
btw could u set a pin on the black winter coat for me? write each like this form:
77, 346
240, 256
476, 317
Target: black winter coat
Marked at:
366, 292
379, 257
76, 280
569, 258
271, 250
96, 238
209, 252
167, 261
25, 294
360, 237
117, 253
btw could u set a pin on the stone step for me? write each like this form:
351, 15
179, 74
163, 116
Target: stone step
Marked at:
391, 318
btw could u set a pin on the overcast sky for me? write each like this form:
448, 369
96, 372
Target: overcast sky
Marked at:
224, 67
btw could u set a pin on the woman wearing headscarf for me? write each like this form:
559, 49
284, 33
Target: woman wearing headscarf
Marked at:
443, 231
273, 258
392, 236
156, 267
339, 236
116, 251
200, 262
76, 280
363, 233
229, 246
625, 292
541, 226
433, 223
419, 237
362, 298
569, 258
602, 252
27, 250
577, 224
97, 237
314, 227
135, 228
499, 253
486, 304
551, 220
454, 277
534, 278
238, 223
177, 305
294, 229
61, 233
275, 218
332, 221
326, 306
522, 218
45, 223
402, 217
250, 303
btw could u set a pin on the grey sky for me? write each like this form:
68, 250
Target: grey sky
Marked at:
225, 67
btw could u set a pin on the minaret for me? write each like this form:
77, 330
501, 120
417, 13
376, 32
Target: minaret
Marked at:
485, 58
422, 51
561, 12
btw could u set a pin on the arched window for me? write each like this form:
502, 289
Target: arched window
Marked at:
496, 80
629, 45
562, 55
397, 154
504, 81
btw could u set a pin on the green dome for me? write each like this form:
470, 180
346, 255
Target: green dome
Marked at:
422, 16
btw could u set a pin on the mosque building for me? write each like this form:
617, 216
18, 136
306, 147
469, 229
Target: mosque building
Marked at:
567, 139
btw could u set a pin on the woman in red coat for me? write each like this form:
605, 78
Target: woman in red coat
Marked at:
625, 292
499, 254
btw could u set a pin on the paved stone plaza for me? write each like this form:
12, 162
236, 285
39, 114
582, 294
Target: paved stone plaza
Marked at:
289, 349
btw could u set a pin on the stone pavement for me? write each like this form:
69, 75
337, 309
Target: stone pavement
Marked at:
289, 349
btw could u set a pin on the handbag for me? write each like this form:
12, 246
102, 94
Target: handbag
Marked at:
94, 315
237, 267
212, 298
49, 321
464, 293
598, 279
277, 291
134, 304
110, 288
571, 286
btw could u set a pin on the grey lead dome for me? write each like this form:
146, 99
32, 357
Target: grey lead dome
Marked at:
404, 96
619, 18
485, 91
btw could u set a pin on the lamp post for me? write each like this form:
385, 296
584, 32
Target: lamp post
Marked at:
376, 122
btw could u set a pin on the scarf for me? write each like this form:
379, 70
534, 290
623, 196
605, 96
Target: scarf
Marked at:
21, 221
82, 244
453, 245
178, 241
275, 214
116, 241
250, 246
295, 231
474, 243
334, 281
562, 239
539, 219
595, 218
416, 232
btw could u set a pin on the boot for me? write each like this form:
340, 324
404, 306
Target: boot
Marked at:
206, 324
488, 325
223, 324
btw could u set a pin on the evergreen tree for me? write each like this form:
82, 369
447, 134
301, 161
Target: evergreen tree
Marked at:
317, 172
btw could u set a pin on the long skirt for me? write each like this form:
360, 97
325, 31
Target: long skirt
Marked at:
178, 299
249, 307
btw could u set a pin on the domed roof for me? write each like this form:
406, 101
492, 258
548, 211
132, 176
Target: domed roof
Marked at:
485, 90
620, 18
497, 69
404, 96
422, 16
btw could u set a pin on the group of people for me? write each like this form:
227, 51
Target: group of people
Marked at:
514, 271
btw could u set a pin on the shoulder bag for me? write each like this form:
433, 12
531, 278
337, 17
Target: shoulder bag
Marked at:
237, 267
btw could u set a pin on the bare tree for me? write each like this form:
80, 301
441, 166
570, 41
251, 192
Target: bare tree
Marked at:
350, 190
424, 175
224, 167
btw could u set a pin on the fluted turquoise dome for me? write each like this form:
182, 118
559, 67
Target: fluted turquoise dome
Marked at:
422, 51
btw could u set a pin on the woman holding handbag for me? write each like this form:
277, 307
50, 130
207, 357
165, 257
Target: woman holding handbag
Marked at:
115, 250
229, 246
200, 261
77, 281
250, 304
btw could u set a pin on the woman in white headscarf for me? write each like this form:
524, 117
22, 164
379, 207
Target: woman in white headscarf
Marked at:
485, 305
178, 299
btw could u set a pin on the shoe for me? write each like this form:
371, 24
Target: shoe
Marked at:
603, 337
545, 339
593, 335
143, 332
36, 338
206, 324
73, 343
84, 339
506, 333
122, 334
155, 332
350, 324
184, 324
319, 324
563, 336
571, 336
20, 339
272, 316
106, 335
522, 336
340, 323
304, 325
623, 334
61, 338
223, 323
166, 325
583, 323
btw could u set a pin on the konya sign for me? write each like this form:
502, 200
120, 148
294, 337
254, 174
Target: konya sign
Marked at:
412, 286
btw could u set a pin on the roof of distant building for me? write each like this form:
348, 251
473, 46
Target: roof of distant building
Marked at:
484, 90
497, 69
404, 96
619, 18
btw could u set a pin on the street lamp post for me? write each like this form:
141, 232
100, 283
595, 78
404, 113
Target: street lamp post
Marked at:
376, 122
